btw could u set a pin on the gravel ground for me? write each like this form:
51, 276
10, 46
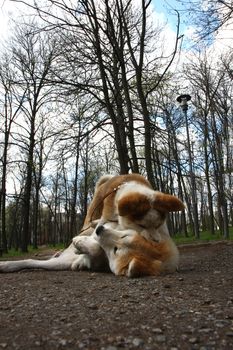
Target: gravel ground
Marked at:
191, 309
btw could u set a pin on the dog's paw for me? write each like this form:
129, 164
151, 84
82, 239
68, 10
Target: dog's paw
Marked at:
83, 262
76, 239
81, 244
87, 245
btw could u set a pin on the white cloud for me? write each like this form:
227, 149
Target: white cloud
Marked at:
11, 12
5, 12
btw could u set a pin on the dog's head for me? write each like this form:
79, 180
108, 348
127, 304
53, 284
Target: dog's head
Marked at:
146, 211
131, 255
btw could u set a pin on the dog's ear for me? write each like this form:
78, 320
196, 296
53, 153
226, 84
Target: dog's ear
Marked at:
166, 202
143, 267
134, 205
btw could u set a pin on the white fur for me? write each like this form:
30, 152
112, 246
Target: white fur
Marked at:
62, 262
83, 262
133, 186
83, 253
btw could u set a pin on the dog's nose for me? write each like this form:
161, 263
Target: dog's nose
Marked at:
99, 230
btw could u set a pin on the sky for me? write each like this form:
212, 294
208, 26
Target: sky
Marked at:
164, 12
5, 8
165, 7
162, 7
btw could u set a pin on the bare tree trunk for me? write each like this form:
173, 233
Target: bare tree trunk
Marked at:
117, 125
36, 208
3, 241
9, 116
192, 181
27, 191
73, 214
175, 153
219, 178
207, 177
119, 60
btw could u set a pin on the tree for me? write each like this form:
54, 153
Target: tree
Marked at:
11, 105
213, 102
208, 17
114, 64
32, 56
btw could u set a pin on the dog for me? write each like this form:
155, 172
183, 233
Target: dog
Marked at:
126, 201
131, 255
130, 201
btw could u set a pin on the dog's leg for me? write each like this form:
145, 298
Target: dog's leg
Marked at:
51, 264
62, 262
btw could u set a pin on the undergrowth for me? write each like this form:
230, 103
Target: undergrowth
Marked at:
205, 236
17, 253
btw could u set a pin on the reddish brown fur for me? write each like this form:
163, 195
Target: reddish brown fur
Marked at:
140, 266
136, 205
102, 203
143, 258
167, 202
152, 249
144, 267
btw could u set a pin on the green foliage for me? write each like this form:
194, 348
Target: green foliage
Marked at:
205, 236
12, 253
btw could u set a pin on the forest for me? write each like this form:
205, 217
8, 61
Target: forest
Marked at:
89, 88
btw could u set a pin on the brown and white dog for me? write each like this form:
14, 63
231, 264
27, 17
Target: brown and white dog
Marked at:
131, 201
130, 254
126, 202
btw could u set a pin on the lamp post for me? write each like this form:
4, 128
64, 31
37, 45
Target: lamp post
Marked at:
183, 101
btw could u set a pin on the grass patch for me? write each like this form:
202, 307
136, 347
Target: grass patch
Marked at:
205, 236
12, 253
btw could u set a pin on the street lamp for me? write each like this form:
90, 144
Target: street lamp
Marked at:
183, 101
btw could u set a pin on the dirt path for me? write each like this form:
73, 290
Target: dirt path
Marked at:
192, 309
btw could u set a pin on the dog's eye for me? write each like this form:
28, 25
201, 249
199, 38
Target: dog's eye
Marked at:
115, 250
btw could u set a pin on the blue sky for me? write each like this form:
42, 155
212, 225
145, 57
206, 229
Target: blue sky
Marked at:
166, 8
161, 6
